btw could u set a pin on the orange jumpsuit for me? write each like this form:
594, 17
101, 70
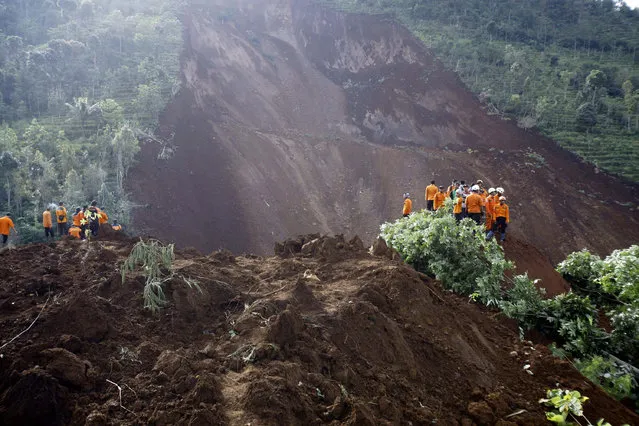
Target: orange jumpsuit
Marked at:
431, 190
74, 231
5, 225
46, 219
438, 200
490, 212
408, 207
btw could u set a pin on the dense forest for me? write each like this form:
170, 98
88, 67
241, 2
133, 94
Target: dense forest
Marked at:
569, 68
81, 83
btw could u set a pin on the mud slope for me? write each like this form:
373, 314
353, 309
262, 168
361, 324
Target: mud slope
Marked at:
294, 118
323, 333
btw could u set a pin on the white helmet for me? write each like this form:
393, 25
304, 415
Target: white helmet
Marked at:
500, 190
475, 188
491, 190
502, 198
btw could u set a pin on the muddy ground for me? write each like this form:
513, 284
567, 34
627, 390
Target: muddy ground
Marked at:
322, 333
294, 118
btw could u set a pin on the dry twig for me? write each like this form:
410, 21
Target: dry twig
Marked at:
120, 394
30, 325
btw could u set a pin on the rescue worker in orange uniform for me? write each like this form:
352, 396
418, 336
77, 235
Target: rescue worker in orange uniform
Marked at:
61, 218
6, 225
490, 204
77, 217
474, 204
502, 219
458, 209
47, 223
431, 190
117, 227
75, 232
438, 200
408, 205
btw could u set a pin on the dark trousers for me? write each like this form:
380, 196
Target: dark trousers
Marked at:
62, 228
4, 239
476, 217
430, 205
83, 233
48, 232
459, 216
500, 225
94, 227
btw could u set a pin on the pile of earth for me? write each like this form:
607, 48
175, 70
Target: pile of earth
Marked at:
294, 118
324, 332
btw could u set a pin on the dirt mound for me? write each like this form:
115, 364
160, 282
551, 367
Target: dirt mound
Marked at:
325, 333
294, 118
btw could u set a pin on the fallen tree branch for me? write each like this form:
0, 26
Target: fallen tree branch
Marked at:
30, 325
120, 394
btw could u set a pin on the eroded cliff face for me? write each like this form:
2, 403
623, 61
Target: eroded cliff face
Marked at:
294, 118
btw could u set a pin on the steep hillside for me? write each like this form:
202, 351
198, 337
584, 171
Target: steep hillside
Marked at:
322, 333
294, 118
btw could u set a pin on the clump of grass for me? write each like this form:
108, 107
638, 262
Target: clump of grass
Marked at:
156, 262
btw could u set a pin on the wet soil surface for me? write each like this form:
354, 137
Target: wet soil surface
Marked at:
322, 333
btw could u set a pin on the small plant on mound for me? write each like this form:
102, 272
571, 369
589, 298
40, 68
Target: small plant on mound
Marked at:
156, 262
567, 405
457, 254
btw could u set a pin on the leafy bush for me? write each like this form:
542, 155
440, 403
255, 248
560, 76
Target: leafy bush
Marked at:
580, 267
457, 254
624, 338
524, 301
572, 320
620, 274
614, 378
565, 404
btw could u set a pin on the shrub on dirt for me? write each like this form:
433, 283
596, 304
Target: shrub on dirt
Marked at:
524, 301
457, 254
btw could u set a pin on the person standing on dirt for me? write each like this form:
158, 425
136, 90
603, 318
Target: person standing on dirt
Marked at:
61, 218
474, 204
502, 219
490, 209
6, 225
84, 221
47, 223
431, 190
458, 208
92, 215
450, 192
408, 205
438, 200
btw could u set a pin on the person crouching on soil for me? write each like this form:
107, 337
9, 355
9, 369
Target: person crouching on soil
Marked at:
502, 218
440, 196
408, 205
47, 223
75, 232
116, 226
6, 225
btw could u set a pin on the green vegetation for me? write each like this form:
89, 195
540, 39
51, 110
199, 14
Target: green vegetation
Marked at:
567, 405
81, 83
567, 67
459, 256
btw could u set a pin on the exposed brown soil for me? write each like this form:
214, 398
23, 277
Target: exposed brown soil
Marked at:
293, 118
322, 333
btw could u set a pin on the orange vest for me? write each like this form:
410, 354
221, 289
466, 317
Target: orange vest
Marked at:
46, 219
61, 213
408, 206
103, 218
117, 228
474, 203
5, 225
502, 210
431, 190
458, 205
438, 201
75, 232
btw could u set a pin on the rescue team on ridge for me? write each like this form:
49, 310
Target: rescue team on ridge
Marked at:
472, 201
85, 222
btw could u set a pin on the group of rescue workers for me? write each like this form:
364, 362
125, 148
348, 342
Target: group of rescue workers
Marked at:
469, 201
85, 222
